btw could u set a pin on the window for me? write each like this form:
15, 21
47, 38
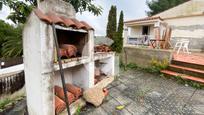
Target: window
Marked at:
145, 30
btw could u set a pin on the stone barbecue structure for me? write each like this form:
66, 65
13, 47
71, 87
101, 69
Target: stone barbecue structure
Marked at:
76, 41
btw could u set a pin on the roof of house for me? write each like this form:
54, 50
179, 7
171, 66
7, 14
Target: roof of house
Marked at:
144, 19
52, 17
187, 9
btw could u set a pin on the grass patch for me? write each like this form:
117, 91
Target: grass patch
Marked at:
78, 111
193, 84
8, 102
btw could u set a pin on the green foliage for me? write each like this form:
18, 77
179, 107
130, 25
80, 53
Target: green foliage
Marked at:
117, 44
120, 24
78, 111
9, 101
3, 103
118, 37
131, 66
6, 30
157, 6
22, 8
13, 45
157, 65
193, 84
10, 40
86, 5
112, 21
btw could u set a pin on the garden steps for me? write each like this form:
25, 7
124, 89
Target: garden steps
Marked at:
188, 77
191, 61
189, 67
186, 70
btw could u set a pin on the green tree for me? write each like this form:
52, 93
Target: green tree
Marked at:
120, 24
112, 21
10, 35
118, 36
157, 6
22, 9
11, 46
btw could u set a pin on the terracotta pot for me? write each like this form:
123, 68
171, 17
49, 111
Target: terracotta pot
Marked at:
63, 52
59, 105
70, 49
77, 91
60, 93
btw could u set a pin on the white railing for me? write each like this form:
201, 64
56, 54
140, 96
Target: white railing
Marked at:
11, 79
141, 36
11, 70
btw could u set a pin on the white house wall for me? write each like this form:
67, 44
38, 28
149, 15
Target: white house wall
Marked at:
189, 8
191, 28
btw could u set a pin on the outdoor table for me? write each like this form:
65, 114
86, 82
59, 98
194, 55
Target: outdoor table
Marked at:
155, 42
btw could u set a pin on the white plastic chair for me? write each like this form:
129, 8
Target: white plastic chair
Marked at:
182, 44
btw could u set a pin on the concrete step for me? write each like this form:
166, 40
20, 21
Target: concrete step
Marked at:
188, 64
187, 70
187, 77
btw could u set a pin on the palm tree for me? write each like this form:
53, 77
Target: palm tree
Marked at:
13, 45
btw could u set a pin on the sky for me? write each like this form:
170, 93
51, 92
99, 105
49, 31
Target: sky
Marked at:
132, 9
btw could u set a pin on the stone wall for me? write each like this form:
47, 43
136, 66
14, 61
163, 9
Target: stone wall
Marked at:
143, 56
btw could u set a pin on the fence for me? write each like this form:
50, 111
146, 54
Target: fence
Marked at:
11, 80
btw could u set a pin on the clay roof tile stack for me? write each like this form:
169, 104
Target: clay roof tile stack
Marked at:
51, 17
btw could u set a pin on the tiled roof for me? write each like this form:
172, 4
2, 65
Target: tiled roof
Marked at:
144, 19
51, 17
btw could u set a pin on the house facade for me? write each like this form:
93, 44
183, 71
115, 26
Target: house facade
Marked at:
186, 21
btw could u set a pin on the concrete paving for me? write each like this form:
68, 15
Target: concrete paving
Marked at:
146, 94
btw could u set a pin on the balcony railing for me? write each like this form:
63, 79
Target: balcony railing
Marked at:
139, 39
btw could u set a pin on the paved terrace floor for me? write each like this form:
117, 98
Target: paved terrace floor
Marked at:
195, 58
146, 94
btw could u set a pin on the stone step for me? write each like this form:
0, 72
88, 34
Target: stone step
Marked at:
183, 76
188, 64
186, 70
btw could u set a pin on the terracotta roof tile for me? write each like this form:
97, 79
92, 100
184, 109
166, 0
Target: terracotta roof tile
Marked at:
78, 24
68, 22
87, 25
144, 19
42, 16
51, 17
55, 19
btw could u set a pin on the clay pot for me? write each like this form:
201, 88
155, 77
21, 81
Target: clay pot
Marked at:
70, 49
63, 52
59, 105
77, 91
60, 93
